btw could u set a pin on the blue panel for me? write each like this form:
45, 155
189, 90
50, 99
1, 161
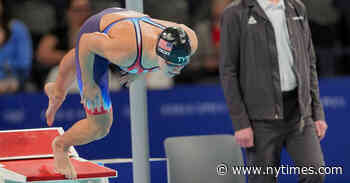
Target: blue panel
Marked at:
158, 172
185, 110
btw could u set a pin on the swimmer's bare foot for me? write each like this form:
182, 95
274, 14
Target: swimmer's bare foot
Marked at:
62, 163
55, 102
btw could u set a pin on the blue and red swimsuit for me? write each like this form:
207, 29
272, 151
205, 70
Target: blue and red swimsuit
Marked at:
101, 64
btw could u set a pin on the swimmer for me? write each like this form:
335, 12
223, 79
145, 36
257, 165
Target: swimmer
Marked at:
134, 42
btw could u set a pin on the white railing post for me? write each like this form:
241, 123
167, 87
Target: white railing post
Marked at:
139, 119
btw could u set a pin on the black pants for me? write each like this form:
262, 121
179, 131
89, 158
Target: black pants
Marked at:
270, 136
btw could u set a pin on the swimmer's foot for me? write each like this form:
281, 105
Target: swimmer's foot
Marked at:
55, 102
62, 162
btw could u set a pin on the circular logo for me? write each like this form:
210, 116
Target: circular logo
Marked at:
221, 169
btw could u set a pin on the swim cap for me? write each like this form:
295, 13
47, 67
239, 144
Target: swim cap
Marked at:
173, 45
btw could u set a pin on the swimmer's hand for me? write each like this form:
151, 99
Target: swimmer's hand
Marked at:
91, 92
55, 101
126, 79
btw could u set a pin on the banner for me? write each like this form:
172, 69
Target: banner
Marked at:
182, 111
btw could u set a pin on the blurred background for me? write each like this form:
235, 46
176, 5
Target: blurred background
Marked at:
36, 34
47, 30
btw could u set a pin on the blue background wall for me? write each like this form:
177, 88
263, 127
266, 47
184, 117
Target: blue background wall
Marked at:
181, 111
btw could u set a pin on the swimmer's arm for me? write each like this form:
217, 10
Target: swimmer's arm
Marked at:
100, 44
89, 45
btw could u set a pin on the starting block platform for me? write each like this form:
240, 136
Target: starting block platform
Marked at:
26, 156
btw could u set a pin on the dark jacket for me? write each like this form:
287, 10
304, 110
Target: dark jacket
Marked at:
249, 69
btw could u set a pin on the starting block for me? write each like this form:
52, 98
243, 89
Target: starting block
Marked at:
26, 156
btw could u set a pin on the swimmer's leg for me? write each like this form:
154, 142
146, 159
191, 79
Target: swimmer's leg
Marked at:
92, 128
95, 126
57, 91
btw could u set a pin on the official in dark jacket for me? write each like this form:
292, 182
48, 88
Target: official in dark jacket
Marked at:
268, 74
